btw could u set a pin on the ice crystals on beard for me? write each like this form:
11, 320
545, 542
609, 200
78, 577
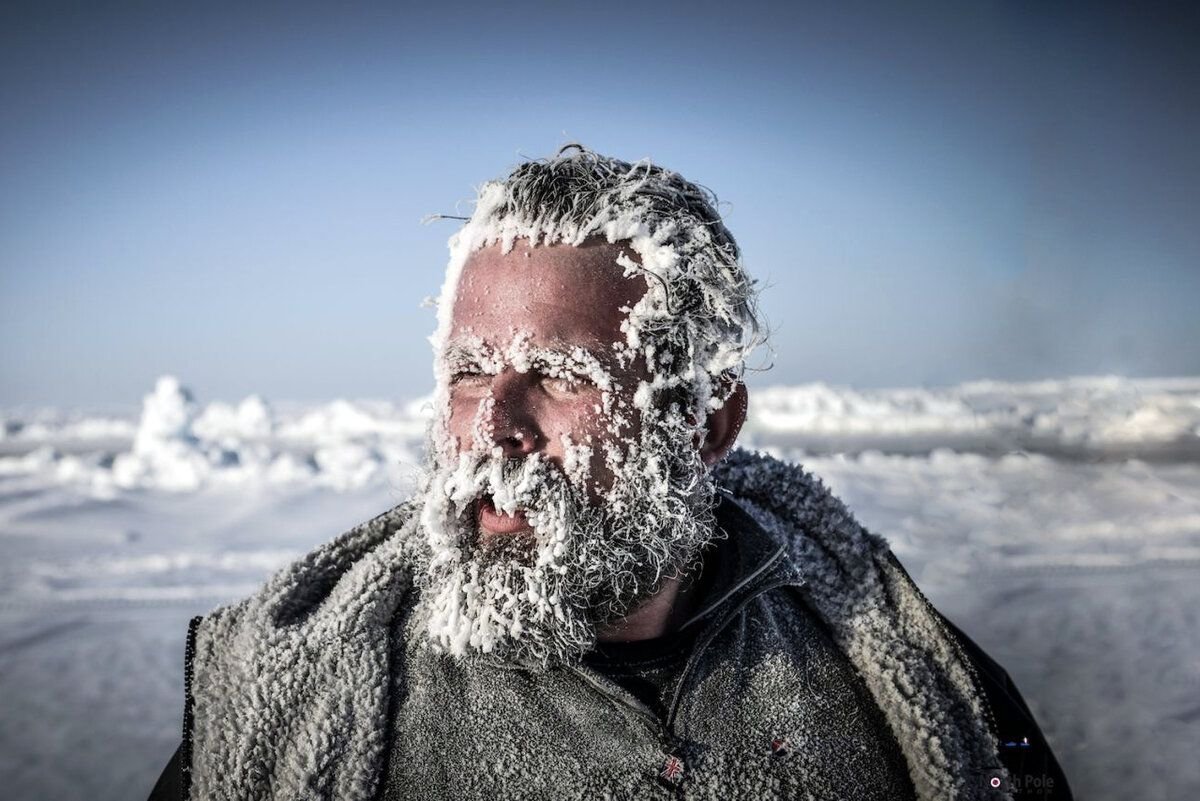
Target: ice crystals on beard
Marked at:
592, 563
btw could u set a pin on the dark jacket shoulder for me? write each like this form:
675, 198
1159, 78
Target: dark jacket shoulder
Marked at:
1034, 773
170, 784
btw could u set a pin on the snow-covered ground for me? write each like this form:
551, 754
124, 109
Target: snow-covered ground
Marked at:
1058, 523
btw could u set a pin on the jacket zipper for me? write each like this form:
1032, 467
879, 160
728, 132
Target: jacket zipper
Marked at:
632, 704
665, 731
185, 750
710, 635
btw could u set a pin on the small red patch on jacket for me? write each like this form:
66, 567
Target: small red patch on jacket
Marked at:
781, 746
672, 770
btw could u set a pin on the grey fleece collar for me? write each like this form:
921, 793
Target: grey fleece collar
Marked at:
289, 688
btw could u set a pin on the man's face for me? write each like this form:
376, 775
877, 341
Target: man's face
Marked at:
532, 363
554, 502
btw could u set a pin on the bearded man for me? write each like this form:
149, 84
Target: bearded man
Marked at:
592, 594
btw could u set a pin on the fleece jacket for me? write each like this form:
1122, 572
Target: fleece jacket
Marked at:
823, 673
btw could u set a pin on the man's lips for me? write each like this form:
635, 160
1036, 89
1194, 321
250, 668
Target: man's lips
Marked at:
495, 522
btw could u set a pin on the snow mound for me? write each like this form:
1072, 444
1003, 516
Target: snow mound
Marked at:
166, 453
249, 420
177, 445
1074, 417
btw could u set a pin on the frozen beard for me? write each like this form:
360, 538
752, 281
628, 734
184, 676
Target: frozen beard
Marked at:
590, 563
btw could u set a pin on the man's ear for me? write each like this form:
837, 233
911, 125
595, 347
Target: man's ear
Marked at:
723, 426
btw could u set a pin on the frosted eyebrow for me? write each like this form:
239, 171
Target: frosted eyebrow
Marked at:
574, 361
472, 353
461, 351
556, 358
474, 349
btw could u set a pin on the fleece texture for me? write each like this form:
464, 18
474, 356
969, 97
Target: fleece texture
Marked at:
294, 692
914, 668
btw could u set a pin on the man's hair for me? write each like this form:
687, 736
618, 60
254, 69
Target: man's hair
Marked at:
699, 320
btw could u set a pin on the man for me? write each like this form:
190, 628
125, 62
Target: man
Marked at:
592, 593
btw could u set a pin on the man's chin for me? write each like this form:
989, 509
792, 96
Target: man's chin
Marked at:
519, 547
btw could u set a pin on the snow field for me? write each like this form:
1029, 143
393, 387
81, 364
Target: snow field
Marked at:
1057, 523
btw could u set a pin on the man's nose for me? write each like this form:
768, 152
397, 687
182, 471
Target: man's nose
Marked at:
513, 426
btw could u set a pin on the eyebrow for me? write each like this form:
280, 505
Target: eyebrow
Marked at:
469, 351
472, 347
464, 349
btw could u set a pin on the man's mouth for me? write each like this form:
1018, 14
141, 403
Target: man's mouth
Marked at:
493, 521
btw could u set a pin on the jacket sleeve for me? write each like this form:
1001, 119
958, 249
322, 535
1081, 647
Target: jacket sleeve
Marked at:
170, 784
1033, 770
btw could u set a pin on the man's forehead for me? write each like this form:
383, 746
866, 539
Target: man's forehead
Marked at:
558, 296
596, 256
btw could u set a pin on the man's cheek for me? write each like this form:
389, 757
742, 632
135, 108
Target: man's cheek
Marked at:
608, 459
451, 438
462, 420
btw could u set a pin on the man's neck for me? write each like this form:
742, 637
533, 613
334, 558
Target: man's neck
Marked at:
661, 614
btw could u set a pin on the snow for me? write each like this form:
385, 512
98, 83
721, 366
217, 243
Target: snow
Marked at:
175, 445
1078, 416
1057, 522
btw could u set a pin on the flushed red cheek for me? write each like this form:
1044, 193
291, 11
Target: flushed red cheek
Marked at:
456, 431
465, 414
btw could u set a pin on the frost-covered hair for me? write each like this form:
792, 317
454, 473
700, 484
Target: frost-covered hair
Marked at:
697, 323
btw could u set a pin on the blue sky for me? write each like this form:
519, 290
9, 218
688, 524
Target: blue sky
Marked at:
930, 193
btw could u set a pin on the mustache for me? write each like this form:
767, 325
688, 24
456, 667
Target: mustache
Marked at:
534, 487
511, 484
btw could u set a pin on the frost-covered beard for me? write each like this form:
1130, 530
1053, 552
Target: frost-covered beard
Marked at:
591, 564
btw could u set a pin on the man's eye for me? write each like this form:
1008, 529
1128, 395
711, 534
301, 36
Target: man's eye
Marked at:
468, 378
563, 386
